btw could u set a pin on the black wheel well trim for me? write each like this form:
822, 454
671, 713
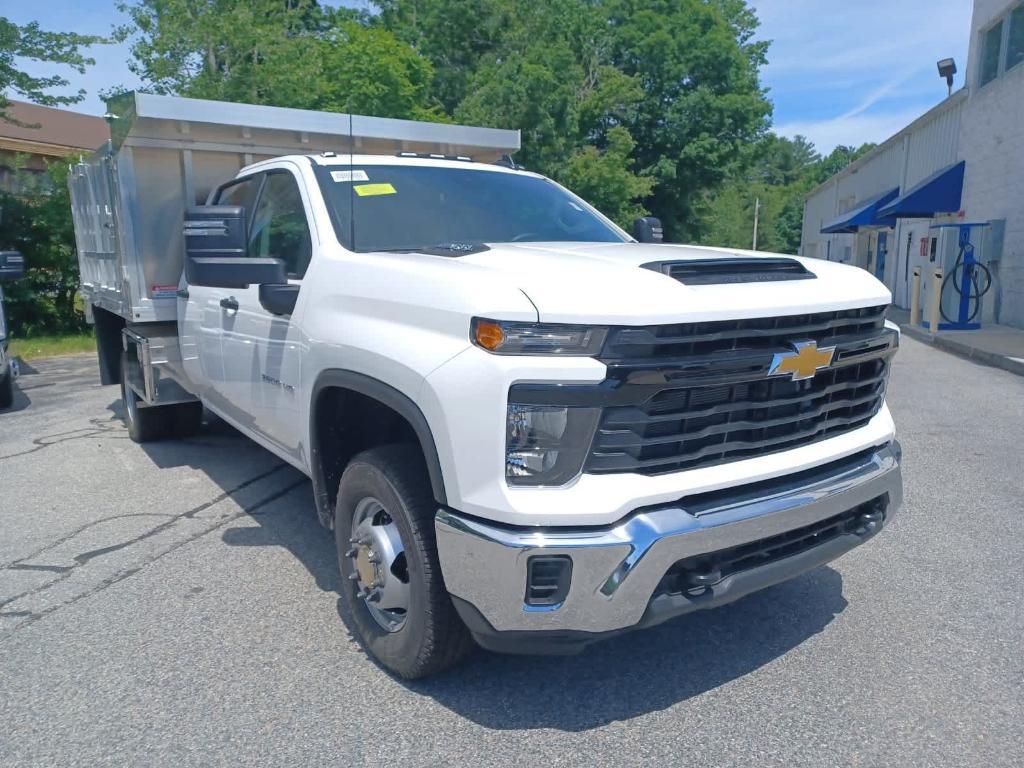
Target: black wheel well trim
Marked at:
387, 395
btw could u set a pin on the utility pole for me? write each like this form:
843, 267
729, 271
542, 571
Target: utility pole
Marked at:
757, 210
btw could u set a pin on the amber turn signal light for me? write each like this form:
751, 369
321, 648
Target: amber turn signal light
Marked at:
488, 334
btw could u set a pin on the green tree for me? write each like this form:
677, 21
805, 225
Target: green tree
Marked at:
456, 36
550, 76
780, 161
232, 50
837, 160
290, 53
604, 180
31, 42
703, 105
38, 223
680, 77
365, 70
780, 173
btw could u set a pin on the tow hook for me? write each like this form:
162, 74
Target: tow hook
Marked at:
869, 523
699, 579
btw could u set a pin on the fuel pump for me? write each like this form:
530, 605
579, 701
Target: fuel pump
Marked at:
958, 249
971, 280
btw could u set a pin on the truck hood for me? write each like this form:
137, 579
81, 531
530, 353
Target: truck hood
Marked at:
605, 283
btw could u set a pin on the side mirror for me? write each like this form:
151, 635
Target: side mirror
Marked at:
227, 272
279, 298
215, 250
648, 230
12, 266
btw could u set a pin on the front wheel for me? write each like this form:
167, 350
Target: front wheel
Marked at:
391, 578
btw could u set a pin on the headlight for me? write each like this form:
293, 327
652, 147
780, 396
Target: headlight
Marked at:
547, 444
506, 338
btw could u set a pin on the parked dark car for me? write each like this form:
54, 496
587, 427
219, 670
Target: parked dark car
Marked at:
12, 267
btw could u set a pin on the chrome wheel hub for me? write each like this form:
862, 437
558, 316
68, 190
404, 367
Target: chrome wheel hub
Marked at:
379, 566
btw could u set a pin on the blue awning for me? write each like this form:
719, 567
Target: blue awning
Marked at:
864, 215
939, 193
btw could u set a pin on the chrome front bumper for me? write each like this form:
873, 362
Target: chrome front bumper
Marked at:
617, 572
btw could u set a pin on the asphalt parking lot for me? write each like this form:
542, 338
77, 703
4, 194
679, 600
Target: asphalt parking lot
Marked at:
175, 604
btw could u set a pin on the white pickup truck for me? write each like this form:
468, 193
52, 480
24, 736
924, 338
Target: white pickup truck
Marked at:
524, 426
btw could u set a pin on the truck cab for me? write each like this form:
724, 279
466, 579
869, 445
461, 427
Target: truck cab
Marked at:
12, 267
526, 427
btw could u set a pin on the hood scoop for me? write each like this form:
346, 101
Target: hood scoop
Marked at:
732, 270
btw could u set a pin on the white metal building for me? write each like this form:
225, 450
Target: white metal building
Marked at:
909, 201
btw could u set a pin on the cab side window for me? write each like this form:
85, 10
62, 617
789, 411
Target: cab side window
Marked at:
278, 228
241, 193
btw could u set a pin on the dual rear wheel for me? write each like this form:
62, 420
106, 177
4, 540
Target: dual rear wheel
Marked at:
148, 422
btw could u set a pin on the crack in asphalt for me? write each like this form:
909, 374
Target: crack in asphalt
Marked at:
111, 428
14, 564
106, 428
83, 558
125, 573
32, 567
36, 386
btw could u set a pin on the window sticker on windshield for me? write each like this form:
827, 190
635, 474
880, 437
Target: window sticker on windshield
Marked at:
349, 176
370, 190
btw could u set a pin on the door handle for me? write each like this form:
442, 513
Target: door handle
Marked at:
230, 304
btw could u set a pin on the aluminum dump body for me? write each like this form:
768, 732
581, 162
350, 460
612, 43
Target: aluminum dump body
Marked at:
167, 153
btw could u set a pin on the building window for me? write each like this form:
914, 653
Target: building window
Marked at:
1002, 46
1015, 38
991, 50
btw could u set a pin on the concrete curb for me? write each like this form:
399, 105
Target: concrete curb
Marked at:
960, 349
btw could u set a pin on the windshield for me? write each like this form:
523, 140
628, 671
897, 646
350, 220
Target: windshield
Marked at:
411, 207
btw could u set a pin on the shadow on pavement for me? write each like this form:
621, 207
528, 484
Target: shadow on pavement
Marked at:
21, 400
301, 534
615, 680
258, 483
640, 672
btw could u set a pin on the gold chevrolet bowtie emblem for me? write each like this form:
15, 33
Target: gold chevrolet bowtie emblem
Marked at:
802, 363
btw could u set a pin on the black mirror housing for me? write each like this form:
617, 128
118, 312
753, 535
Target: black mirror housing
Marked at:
279, 298
648, 230
12, 266
216, 250
233, 271
215, 230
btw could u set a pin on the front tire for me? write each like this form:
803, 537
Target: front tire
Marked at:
392, 586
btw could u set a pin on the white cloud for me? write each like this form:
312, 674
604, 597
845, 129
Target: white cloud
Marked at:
843, 72
850, 130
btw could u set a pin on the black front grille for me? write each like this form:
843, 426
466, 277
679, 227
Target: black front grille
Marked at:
716, 402
695, 574
658, 342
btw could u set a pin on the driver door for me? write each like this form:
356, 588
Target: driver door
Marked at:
262, 352
202, 312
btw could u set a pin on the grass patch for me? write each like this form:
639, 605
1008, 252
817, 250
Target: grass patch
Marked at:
52, 346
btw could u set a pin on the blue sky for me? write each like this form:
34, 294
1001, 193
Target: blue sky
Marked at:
839, 72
